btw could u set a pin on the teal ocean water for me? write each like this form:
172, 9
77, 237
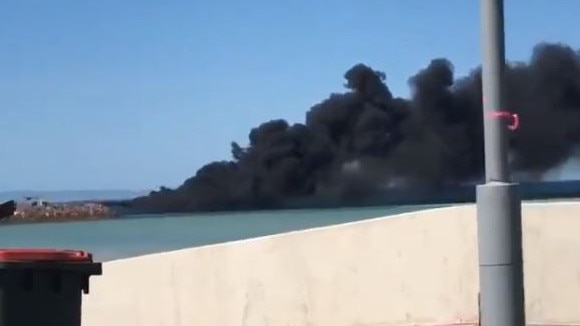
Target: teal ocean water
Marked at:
127, 237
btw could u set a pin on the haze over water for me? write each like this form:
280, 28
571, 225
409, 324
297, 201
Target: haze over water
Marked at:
72, 195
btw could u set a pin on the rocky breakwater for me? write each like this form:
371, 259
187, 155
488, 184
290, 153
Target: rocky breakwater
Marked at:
52, 212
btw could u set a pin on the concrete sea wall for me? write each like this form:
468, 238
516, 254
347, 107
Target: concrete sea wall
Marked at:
413, 269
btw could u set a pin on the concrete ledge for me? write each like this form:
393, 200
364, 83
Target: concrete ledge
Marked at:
416, 268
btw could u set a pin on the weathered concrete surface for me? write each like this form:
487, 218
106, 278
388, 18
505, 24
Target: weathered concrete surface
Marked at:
414, 269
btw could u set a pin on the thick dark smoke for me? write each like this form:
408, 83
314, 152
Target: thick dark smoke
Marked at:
355, 143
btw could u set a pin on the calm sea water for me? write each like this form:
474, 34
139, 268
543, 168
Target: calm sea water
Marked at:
126, 237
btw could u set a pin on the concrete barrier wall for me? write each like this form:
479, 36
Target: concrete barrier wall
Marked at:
414, 269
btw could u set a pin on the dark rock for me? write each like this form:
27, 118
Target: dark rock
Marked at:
7, 209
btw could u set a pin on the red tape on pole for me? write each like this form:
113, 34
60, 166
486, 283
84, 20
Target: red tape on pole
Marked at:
515, 119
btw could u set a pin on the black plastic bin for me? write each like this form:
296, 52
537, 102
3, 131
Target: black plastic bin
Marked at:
43, 287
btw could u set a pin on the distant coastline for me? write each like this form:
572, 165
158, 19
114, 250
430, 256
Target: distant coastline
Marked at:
63, 196
61, 206
111, 207
389, 197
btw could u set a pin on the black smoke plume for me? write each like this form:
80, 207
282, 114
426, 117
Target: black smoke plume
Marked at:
356, 143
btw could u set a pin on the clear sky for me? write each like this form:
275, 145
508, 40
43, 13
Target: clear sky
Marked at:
134, 94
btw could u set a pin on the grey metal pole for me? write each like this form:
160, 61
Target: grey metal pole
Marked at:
498, 203
493, 53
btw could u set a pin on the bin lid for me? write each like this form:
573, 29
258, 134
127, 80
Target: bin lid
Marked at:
44, 255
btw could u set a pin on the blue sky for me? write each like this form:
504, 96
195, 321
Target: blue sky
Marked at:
134, 94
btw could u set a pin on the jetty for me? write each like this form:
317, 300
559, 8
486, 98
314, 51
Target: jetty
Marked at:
38, 210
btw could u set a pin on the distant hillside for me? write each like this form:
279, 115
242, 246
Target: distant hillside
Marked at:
72, 195
451, 194
389, 197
